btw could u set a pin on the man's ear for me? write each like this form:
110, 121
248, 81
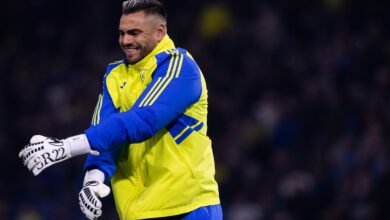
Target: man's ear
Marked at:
161, 31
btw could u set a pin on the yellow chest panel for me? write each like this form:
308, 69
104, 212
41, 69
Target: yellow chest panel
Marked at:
125, 84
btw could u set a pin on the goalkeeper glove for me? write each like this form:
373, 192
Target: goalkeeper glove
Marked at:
93, 189
42, 152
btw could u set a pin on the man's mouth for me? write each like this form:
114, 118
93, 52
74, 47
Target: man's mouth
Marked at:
131, 51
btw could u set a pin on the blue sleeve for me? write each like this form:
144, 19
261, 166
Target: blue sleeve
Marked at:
176, 85
103, 110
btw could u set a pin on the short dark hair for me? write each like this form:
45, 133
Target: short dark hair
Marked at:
147, 6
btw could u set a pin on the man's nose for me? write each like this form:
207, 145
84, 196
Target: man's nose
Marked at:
128, 39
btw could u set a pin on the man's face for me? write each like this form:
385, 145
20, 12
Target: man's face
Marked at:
139, 34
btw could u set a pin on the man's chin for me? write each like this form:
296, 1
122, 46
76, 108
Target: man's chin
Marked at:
132, 59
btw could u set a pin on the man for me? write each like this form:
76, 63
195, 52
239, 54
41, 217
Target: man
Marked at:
148, 133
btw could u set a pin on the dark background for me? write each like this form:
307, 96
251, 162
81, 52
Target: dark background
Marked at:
299, 108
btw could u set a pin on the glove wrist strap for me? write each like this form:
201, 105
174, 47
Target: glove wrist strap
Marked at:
94, 174
78, 145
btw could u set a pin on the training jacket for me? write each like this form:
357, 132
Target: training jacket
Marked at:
150, 127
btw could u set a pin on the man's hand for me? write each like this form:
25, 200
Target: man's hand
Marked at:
42, 152
90, 194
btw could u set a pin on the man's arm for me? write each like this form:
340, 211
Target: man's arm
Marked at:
175, 86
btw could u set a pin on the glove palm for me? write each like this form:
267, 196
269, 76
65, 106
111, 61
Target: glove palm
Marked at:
90, 194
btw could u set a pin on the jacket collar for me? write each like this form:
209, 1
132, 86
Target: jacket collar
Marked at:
165, 44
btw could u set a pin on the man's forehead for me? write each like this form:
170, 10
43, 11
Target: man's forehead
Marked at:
132, 19
137, 19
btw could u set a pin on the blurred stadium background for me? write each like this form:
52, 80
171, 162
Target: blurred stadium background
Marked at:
299, 101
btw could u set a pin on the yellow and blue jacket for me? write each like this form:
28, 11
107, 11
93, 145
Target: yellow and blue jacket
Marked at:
150, 127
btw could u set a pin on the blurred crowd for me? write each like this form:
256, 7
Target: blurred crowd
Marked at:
299, 101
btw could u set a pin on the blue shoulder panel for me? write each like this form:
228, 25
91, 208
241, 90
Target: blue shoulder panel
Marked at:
112, 66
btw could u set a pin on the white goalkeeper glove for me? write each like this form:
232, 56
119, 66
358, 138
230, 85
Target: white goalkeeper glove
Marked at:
89, 196
42, 152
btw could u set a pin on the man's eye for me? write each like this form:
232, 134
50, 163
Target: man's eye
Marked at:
133, 32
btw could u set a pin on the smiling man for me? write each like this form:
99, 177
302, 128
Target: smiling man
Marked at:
148, 134
139, 33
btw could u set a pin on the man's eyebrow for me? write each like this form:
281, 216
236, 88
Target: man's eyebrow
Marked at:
129, 30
